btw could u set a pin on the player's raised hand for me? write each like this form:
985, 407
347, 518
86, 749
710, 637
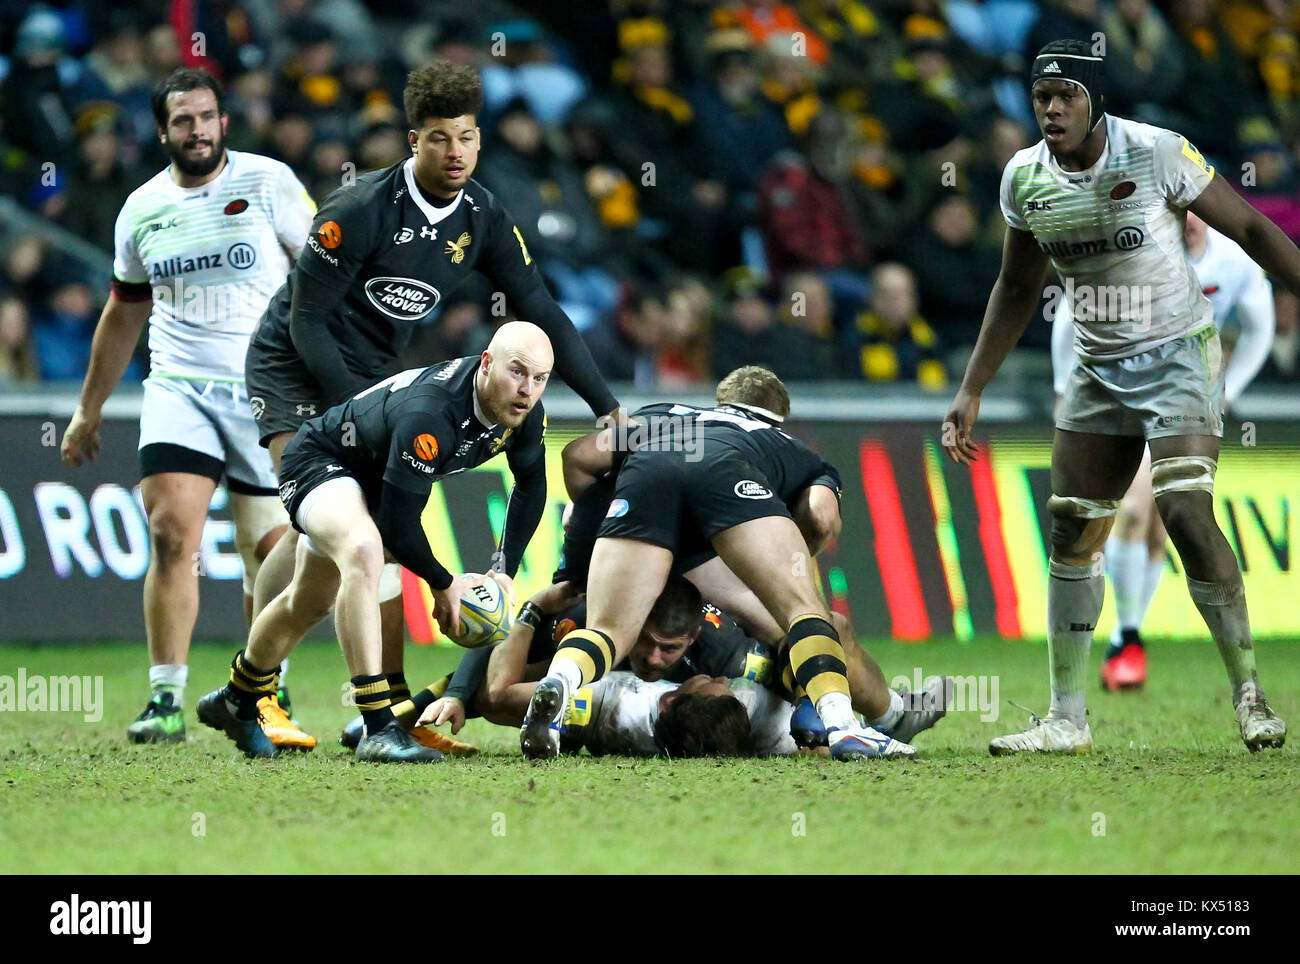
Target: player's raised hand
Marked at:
957, 426
446, 606
81, 440
446, 710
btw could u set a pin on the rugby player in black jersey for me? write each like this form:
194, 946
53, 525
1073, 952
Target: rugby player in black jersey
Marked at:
700, 480
381, 255
355, 480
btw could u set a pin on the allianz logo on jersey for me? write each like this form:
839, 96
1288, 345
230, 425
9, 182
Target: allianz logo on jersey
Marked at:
403, 298
1126, 239
240, 255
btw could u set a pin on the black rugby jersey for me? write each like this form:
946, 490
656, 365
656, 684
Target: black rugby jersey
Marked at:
424, 424
382, 257
790, 466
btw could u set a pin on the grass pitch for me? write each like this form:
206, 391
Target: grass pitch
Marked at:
1168, 789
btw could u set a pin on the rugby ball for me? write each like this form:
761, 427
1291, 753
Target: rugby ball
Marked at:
485, 617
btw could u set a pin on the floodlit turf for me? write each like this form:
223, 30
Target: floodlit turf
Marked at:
1169, 788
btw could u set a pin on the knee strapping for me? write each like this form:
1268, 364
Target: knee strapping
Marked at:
390, 582
1080, 525
1182, 473
254, 516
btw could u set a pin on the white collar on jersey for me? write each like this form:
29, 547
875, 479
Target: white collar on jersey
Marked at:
479, 414
432, 213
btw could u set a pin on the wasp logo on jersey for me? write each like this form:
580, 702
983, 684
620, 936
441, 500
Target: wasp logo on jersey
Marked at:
403, 298
457, 248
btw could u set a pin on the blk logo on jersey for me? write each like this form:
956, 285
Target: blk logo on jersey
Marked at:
237, 206
748, 489
1038, 206
403, 298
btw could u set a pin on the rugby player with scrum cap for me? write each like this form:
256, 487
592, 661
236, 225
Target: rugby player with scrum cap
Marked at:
381, 255
1102, 200
355, 480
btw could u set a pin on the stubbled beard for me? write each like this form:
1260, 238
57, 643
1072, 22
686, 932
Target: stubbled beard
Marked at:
198, 168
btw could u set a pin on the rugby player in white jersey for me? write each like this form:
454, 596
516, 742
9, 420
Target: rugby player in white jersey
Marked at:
1102, 200
200, 249
1135, 551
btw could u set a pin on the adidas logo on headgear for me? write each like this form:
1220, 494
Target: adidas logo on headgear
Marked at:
1052, 68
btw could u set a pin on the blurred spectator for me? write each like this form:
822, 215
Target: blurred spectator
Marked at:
742, 129
752, 333
926, 108
43, 88
683, 358
805, 216
523, 65
1283, 362
894, 343
101, 180
63, 327
658, 150
381, 145
460, 328
1063, 20
1279, 70
1143, 63
1269, 179
1215, 72
623, 345
17, 354
953, 269
807, 306
118, 63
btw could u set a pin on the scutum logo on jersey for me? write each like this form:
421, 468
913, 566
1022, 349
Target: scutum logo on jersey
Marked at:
748, 489
403, 298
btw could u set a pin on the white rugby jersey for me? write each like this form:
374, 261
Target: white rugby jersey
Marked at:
1114, 233
769, 718
214, 255
1238, 293
621, 709
622, 714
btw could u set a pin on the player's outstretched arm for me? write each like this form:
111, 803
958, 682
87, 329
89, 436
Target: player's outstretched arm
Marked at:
1227, 212
1011, 305
585, 460
524, 512
398, 521
816, 512
116, 335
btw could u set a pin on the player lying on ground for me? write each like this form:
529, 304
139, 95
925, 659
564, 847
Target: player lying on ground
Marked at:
356, 480
202, 300
1101, 199
708, 478
381, 255
1240, 294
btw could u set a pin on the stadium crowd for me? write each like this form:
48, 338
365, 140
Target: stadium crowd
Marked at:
808, 186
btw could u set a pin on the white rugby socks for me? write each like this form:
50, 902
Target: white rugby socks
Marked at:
1074, 597
170, 678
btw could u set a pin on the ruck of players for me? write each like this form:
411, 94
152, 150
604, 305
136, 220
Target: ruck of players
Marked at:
687, 614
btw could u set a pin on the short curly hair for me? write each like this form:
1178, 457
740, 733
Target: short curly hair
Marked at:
698, 724
441, 89
753, 385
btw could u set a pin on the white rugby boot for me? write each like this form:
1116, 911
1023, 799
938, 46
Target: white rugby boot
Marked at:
1260, 726
1045, 735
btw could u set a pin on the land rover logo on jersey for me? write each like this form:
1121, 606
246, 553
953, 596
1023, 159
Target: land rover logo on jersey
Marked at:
1126, 239
241, 255
1122, 190
747, 489
237, 206
403, 298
